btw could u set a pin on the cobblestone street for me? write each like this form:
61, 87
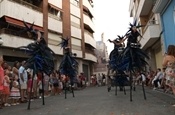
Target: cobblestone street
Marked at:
97, 101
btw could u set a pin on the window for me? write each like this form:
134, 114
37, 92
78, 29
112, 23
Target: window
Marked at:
34, 2
75, 2
55, 11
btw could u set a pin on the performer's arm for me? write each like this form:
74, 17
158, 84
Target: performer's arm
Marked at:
114, 42
123, 40
39, 36
139, 40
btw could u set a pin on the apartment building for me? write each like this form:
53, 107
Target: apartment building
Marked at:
102, 57
55, 19
152, 41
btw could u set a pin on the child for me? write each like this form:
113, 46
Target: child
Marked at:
15, 94
6, 88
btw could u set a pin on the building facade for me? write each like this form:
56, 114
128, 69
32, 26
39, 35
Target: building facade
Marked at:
102, 57
152, 40
55, 19
166, 10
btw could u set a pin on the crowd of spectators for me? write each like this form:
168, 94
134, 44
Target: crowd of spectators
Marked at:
16, 83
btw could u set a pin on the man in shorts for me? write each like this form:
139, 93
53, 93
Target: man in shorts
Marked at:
23, 80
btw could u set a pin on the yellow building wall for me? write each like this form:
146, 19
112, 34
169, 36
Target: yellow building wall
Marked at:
159, 58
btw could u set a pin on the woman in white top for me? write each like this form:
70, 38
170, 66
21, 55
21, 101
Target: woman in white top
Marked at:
169, 64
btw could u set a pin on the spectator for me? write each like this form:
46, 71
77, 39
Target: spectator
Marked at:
23, 81
103, 79
150, 78
15, 93
157, 79
29, 87
55, 84
169, 64
6, 88
46, 84
163, 85
99, 79
1, 82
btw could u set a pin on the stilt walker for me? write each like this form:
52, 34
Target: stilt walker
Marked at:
41, 57
113, 63
68, 65
133, 58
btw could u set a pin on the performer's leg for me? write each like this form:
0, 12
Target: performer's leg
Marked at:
43, 88
65, 90
130, 86
124, 90
116, 89
72, 88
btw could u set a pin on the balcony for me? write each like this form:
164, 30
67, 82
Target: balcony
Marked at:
53, 41
75, 10
21, 10
53, 20
76, 32
160, 5
89, 22
90, 57
89, 39
144, 7
151, 34
10, 41
79, 53
57, 3
88, 5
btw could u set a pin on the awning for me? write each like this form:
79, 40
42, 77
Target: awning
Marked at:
20, 23
55, 7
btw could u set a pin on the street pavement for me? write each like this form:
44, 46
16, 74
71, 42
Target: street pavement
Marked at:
97, 101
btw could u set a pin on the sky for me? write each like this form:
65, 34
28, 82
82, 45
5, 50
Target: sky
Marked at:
112, 18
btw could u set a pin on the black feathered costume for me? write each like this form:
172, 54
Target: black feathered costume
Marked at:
114, 54
132, 59
114, 63
68, 65
41, 57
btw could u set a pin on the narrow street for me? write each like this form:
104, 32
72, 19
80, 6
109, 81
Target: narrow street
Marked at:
97, 101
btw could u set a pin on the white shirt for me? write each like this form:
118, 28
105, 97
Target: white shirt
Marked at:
24, 73
159, 75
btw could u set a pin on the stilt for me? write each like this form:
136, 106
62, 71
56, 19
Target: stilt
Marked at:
143, 90
65, 90
124, 90
30, 92
72, 91
134, 86
130, 86
43, 88
116, 89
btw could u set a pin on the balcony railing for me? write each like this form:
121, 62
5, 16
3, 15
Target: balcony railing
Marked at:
24, 3
149, 23
86, 31
13, 32
90, 52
